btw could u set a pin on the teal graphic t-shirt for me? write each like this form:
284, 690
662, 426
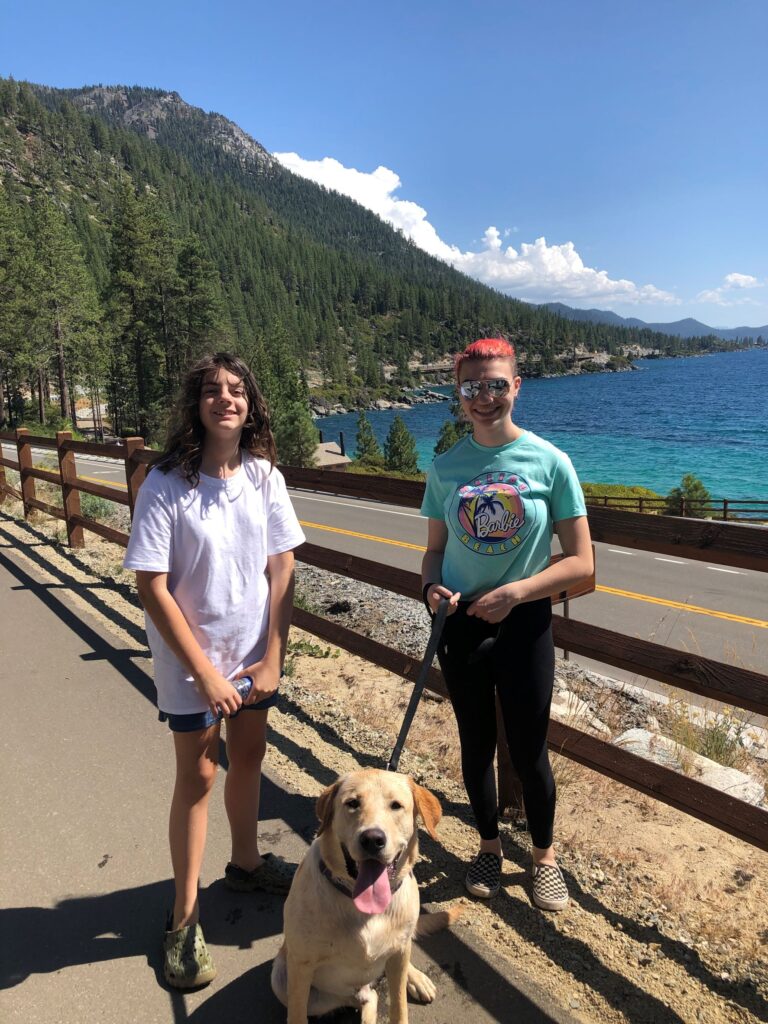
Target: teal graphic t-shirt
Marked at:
499, 505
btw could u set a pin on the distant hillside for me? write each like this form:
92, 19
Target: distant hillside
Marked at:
185, 233
687, 328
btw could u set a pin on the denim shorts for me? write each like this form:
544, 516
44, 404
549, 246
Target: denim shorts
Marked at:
205, 719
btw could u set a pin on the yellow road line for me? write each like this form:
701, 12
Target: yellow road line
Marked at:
364, 536
694, 609
104, 481
684, 607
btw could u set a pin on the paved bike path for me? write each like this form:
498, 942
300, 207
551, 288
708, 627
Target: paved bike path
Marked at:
87, 774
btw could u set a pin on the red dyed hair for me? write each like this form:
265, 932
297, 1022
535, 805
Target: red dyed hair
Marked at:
486, 348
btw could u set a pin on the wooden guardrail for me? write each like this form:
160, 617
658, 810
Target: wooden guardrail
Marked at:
69, 482
735, 509
721, 543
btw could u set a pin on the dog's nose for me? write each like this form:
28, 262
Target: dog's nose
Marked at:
373, 840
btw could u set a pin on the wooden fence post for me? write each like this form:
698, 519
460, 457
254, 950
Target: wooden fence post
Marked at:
566, 615
2, 478
24, 458
69, 493
134, 471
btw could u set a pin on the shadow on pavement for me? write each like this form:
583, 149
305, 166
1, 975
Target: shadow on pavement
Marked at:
40, 940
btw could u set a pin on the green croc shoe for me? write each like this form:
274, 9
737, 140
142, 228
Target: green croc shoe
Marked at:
187, 962
272, 875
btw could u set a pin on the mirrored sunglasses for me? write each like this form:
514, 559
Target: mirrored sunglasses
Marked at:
497, 387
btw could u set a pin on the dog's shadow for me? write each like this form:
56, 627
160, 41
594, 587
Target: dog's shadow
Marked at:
236, 1002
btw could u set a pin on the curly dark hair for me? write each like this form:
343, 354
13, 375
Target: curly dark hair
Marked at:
186, 434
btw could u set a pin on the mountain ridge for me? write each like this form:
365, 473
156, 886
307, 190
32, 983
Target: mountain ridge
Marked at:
192, 235
145, 110
685, 328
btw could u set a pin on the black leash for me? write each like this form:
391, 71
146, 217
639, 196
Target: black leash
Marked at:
418, 687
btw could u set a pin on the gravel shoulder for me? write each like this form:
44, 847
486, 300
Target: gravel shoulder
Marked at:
668, 920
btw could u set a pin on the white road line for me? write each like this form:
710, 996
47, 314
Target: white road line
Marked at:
733, 572
618, 551
674, 561
367, 508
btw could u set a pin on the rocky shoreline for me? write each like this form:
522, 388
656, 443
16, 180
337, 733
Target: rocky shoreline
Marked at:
441, 375
320, 407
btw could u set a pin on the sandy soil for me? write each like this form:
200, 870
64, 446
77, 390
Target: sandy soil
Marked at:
668, 920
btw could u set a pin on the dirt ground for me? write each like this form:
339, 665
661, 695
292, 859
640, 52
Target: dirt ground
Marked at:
668, 920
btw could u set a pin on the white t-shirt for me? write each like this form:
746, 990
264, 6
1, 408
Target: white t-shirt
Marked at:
213, 540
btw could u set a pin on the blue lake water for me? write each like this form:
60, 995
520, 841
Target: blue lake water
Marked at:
704, 415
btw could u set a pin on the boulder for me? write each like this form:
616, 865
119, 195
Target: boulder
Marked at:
664, 751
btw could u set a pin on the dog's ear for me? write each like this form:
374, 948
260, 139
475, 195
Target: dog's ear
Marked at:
324, 807
427, 807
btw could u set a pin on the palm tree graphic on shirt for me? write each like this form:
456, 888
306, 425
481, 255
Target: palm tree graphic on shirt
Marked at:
488, 511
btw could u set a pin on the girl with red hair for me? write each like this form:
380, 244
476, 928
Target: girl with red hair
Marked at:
493, 501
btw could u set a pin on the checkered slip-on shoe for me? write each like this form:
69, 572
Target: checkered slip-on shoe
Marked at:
549, 890
484, 875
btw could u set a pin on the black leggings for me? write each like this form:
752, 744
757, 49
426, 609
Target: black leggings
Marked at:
520, 667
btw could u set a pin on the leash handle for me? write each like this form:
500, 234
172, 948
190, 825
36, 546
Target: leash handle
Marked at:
434, 638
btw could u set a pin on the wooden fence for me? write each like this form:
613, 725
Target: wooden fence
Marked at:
735, 509
719, 542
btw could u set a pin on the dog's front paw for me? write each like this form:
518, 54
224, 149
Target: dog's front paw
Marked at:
420, 988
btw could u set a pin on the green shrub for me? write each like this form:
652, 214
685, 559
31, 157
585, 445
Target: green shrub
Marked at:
630, 492
363, 469
691, 498
311, 650
94, 507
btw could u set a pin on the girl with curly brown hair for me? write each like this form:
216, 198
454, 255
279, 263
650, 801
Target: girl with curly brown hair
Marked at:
212, 545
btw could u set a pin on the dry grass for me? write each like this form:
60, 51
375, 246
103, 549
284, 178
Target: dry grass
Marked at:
715, 732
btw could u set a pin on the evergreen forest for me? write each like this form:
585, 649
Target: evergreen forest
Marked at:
137, 232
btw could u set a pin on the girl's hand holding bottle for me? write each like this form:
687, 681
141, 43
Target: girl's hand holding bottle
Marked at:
266, 679
219, 692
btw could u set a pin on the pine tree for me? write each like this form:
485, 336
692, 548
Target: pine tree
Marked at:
447, 438
691, 498
368, 449
16, 301
400, 448
199, 320
295, 435
452, 430
66, 308
142, 278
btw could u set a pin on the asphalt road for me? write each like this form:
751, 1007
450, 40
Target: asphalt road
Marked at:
710, 610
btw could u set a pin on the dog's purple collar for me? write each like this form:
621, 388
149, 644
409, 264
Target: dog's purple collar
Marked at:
325, 871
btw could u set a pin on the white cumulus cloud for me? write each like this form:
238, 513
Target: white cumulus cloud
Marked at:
535, 270
728, 292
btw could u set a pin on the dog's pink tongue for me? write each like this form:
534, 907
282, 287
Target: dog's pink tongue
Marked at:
372, 892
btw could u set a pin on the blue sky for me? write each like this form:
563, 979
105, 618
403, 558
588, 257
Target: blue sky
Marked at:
600, 153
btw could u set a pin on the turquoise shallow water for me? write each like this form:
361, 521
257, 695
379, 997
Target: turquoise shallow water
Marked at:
704, 415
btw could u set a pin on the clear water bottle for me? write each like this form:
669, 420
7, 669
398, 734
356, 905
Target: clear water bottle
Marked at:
243, 687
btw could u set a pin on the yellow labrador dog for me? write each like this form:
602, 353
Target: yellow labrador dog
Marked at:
353, 908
